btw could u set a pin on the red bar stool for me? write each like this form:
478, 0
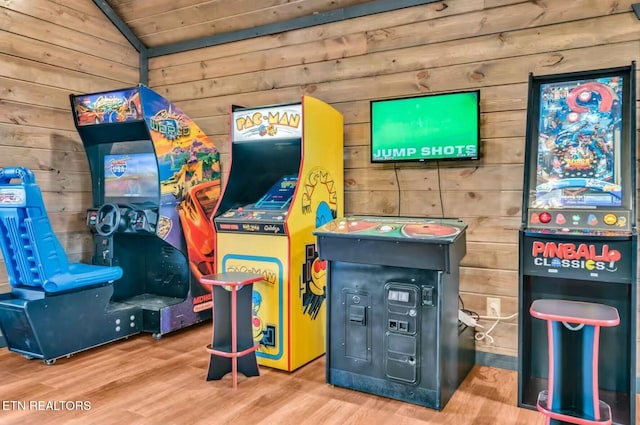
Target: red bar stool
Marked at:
573, 330
233, 348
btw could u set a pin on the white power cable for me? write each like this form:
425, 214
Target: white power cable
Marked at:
499, 318
486, 334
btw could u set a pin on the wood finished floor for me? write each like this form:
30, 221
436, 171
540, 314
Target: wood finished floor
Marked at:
144, 381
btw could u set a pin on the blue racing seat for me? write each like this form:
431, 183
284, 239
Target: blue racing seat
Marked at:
34, 257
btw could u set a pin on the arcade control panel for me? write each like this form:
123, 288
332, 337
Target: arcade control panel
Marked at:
132, 220
395, 229
266, 216
579, 221
249, 219
410, 242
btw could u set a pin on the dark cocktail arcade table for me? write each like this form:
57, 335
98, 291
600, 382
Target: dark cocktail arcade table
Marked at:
392, 318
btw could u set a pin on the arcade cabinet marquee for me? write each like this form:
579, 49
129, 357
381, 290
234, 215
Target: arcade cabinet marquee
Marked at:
578, 238
156, 181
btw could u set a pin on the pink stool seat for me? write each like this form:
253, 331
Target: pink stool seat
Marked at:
577, 312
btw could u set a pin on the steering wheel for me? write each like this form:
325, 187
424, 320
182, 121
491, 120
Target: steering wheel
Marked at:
108, 219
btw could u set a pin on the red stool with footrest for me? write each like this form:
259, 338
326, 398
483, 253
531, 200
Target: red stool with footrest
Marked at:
233, 348
573, 330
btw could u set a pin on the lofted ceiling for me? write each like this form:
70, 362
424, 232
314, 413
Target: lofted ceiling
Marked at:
163, 22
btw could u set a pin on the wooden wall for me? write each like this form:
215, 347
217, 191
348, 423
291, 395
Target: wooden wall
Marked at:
48, 50
51, 48
451, 45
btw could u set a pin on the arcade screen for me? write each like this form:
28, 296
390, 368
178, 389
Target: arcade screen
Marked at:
280, 194
434, 127
131, 177
578, 151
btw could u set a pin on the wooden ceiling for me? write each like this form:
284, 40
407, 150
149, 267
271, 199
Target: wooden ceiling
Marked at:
161, 22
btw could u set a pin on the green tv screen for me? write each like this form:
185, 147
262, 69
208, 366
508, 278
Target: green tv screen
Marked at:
426, 128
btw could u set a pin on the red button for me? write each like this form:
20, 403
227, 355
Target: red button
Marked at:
545, 217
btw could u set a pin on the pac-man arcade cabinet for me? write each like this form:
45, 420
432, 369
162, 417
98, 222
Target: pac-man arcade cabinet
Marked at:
156, 181
285, 179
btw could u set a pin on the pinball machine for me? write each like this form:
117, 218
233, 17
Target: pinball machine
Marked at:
578, 239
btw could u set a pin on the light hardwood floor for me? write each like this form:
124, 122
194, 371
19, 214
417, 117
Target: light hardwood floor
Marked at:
144, 381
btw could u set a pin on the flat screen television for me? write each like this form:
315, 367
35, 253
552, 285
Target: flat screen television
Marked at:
434, 127
131, 177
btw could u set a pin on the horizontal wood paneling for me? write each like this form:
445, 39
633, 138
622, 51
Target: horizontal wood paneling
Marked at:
49, 50
22, 23
493, 177
481, 67
31, 93
83, 24
62, 57
501, 283
504, 23
492, 46
26, 136
315, 51
51, 75
40, 116
503, 256
492, 229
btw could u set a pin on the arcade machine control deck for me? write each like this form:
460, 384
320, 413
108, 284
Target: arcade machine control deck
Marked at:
127, 219
267, 215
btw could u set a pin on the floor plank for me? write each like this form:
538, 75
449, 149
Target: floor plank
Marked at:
146, 381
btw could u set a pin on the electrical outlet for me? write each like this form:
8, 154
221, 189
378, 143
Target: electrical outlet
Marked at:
493, 307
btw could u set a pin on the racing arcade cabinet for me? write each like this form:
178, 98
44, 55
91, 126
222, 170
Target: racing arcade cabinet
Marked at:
285, 179
156, 181
578, 244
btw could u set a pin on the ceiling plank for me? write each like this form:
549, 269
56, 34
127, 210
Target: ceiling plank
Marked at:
139, 9
220, 16
336, 15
